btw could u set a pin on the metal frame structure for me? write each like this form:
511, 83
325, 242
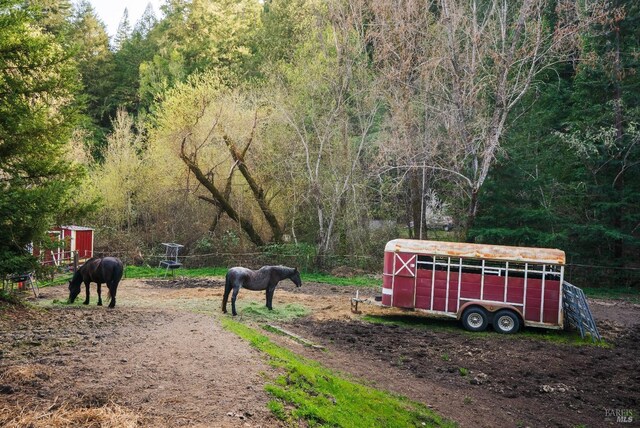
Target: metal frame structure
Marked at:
171, 261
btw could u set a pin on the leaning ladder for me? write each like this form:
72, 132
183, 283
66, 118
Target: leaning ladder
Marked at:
577, 312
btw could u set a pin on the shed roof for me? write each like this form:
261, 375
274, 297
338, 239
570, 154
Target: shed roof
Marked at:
478, 251
74, 227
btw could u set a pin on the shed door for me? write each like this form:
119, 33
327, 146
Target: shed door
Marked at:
404, 280
84, 243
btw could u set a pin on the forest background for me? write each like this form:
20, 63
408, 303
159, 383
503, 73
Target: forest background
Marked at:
313, 131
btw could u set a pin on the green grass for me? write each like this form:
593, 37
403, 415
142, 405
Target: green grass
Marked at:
311, 393
155, 272
451, 326
258, 312
623, 293
358, 281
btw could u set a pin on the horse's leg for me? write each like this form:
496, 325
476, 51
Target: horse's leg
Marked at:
113, 288
270, 290
86, 300
225, 297
99, 294
236, 289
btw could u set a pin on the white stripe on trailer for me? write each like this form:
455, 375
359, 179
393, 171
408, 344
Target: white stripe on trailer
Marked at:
524, 298
560, 301
482, 282
446, 307
544, 277
433, 279
459, 285
506, 280
495, 302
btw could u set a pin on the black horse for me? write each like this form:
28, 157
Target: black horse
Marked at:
108, 270
265, 278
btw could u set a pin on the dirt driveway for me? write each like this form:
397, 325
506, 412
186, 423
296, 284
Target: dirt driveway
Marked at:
160, 358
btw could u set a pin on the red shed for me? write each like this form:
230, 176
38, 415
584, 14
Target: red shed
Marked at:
77, 238
478, 284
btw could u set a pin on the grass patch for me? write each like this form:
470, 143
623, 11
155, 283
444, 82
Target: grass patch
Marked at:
356, 281
623, 293
155, 272
257, 311
311, 393
65, 302
556, 336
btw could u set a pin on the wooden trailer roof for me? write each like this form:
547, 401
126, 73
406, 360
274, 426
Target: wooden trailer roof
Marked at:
478, 251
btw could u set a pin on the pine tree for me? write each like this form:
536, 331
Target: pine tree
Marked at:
37, 115
124, 31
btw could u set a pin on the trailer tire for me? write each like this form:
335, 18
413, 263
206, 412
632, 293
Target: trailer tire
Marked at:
506, 322
475, 319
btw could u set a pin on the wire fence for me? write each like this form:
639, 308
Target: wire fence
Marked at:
581, 274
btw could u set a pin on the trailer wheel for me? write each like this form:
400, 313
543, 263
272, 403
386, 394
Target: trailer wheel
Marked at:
475, 319
506, 322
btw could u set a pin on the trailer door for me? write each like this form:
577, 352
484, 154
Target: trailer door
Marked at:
404, 280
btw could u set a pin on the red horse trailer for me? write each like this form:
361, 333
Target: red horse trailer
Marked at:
478, 284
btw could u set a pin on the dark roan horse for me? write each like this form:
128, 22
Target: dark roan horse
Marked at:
99, 270
265, 278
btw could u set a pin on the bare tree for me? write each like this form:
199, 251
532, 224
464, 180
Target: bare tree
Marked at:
400, 34
492, 53
330, 104
473, 63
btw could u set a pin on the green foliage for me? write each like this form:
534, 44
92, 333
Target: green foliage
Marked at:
348, 109
37, 115
314, 395
197, 36
570, 174
10, 298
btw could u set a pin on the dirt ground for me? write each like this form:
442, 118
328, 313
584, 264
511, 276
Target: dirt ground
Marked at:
161, 358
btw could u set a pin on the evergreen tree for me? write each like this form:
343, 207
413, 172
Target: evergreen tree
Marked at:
147, 21
570, 174
123, 33
95, 63
37, 115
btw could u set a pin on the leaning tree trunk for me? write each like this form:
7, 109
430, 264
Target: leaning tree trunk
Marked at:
218, 199
256, 189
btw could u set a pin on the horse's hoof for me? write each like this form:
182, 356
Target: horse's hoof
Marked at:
234, 314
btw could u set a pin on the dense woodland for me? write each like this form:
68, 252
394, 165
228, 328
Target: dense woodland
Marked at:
322, 128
